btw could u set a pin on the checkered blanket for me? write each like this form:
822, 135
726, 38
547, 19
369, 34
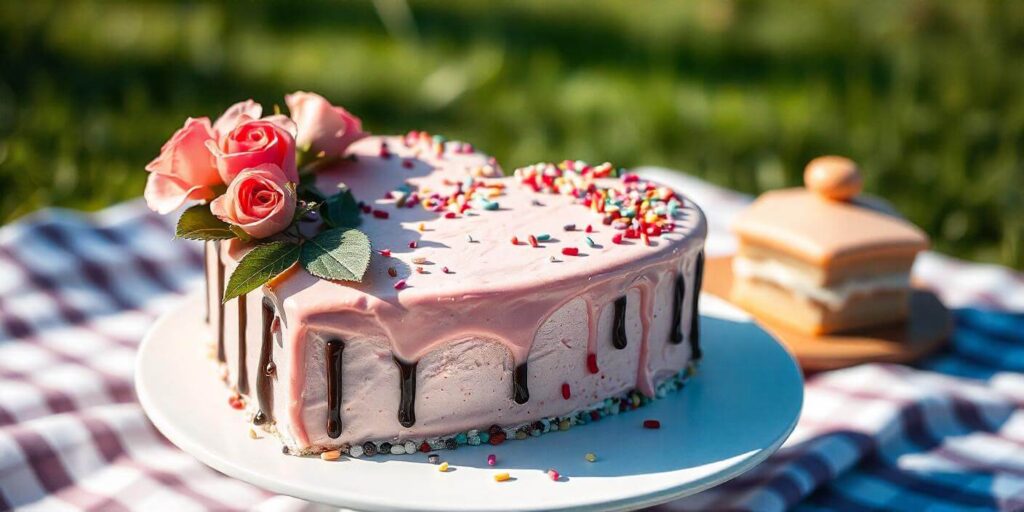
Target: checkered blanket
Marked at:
77, 293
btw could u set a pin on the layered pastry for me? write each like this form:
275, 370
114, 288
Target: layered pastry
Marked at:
820, 259
492, 308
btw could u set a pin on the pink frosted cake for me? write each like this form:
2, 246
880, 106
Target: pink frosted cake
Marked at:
491, 307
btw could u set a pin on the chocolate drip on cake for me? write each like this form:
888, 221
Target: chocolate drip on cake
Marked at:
520, 389
407, 388
677, 310
619, 326
242, 384
698, 278
265, 377
206, 275
221, 355
334, 349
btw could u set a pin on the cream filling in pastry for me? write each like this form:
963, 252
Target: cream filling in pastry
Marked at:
834, 297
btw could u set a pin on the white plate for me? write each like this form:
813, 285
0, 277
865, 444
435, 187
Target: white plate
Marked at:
732, 415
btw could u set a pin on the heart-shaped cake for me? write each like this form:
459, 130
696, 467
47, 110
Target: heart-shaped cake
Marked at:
492, 307
390, 295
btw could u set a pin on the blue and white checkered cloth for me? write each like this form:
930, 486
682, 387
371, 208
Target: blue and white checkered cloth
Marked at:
77, 293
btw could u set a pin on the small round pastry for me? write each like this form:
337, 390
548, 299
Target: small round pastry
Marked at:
833, 177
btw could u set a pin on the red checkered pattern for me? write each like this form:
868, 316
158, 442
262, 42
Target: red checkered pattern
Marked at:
77, 293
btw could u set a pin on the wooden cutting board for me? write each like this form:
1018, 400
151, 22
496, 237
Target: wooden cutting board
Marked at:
926, 330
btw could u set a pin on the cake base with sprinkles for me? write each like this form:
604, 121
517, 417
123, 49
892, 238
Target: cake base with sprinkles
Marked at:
493, 308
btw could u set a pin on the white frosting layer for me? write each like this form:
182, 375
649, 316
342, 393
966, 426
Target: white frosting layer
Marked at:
834, 296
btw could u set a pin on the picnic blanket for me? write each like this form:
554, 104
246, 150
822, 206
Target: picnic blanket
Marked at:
78, 292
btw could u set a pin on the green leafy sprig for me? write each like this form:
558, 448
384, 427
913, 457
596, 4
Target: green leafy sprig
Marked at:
337, 251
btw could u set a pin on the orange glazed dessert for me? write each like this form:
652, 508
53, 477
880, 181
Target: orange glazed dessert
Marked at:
820, 260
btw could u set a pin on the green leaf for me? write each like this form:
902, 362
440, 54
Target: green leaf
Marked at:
341, 210
302, 210
339, 254
240, 233
261, 264
197, 223
307, 190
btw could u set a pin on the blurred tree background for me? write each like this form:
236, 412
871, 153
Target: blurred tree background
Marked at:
926, 95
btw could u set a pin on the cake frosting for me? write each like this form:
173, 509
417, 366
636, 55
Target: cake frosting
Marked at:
525, 300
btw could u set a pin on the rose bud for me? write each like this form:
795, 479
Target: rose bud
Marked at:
260, 201
322, 127
252, 142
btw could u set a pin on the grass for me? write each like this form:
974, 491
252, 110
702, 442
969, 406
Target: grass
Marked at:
926, 96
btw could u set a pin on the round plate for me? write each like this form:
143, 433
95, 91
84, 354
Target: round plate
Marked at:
738, 409
926, 330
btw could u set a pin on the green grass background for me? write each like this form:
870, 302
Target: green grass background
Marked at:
926, 96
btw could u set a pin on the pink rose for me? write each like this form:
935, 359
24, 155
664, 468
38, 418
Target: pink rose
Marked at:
260, 200
230, 118
253, 142
184, 170
322, 126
